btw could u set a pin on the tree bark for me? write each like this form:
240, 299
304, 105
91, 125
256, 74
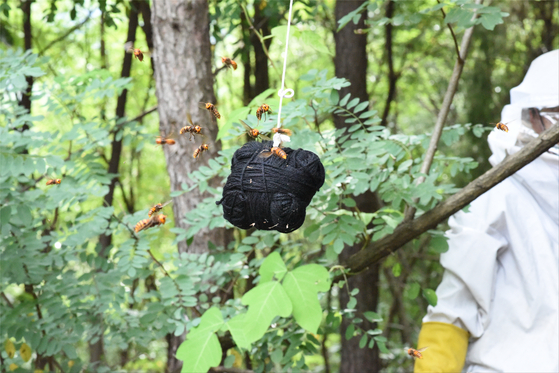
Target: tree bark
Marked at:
351, 63
245, 57
183, 74
261, 77
351, 55
392, 76
27, 43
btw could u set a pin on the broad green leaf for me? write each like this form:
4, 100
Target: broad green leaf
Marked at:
199, 354
315, 41
431, 296
302, 285
279, 32
24, 215
238, 327
439, 244
211, 321
265, 301
272, 266
412, 291
490, 20
276, 356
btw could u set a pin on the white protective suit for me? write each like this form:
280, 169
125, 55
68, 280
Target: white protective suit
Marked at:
501, 280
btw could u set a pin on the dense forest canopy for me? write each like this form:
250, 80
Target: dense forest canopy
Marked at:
395, 97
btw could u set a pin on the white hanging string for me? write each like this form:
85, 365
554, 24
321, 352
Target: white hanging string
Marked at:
283, 92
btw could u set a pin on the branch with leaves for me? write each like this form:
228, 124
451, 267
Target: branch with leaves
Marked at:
408, 230
445, 108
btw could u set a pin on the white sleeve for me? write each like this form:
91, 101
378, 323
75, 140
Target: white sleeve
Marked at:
467, 288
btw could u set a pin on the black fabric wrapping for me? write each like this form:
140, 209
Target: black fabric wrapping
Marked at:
270, 193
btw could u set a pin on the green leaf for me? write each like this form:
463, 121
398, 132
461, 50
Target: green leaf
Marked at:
349, 331
334, 97
361, 106
265, 301
272, 266
5, 213
302, 285
338, 245
40, 165
439, 244
279, 32
352, 103
363, 341
396, 270
412, 291
234, 116
431, 296
351, 16
351, 303
257, 101
315, 41
202, 350
70, 351
382, 347
199, 354
211, 321
237, 327
276, 356
229, 361
490, 20
24, 215
345, 99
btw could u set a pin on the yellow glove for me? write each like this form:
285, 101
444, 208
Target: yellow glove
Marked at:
447, 344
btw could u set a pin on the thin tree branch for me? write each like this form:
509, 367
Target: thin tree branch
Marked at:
447, 101
65, 35
138, 118
7, 300
230, 370
260, 37
409, 230
452, 32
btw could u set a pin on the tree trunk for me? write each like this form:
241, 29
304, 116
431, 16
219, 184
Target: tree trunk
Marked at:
183, 74
96, 350
261, 77
27, 42
392, 76
351, 63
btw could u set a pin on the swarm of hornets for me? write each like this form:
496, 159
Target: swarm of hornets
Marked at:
193, 130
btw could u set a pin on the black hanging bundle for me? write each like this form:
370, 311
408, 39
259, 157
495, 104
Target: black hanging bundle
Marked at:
270, 193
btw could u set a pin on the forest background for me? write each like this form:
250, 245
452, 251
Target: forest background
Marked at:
82, 292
